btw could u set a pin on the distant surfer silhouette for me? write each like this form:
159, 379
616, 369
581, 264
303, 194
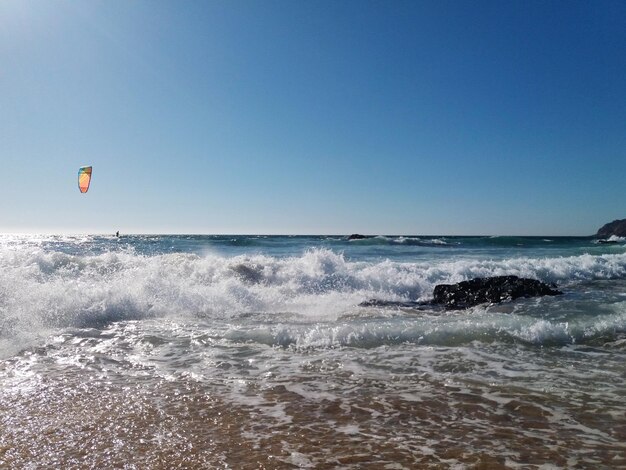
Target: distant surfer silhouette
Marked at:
117, 234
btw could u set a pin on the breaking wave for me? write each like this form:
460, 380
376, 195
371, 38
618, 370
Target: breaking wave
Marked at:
42, 290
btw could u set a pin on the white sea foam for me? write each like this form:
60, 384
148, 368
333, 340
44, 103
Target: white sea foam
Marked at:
248, 348
611, 239
450, 330
40, 289
438, 241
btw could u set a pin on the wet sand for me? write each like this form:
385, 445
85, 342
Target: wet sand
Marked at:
75, 418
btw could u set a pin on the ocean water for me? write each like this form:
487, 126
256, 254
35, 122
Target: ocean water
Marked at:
253, 352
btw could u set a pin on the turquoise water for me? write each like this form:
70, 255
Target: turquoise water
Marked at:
252, 351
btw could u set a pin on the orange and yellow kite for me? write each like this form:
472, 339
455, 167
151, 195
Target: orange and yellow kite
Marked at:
84, 178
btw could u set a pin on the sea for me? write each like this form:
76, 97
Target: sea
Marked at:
253, 352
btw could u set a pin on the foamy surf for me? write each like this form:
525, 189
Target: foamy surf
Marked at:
238, 351
42, 289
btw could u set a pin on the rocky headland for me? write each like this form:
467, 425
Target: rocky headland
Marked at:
617, 228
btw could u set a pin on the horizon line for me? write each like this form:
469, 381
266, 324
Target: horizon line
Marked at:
262, 234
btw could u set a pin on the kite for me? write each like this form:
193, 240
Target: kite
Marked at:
84, 178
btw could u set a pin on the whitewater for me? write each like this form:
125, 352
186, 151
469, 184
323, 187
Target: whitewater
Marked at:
181, 351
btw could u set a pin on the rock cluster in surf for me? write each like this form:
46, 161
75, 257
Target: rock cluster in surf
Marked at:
489, 290
358, 236
476, 291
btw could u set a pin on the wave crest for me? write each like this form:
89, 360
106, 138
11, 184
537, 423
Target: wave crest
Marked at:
40, 289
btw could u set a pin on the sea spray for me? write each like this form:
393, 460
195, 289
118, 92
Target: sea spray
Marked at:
235, 351
42, 289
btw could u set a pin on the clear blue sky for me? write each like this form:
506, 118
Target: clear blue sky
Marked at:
442, 117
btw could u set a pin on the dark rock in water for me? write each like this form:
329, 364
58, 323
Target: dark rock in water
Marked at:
609, 242
249, 274
393, 303
358, 236
490, 289
617, 228
477, 291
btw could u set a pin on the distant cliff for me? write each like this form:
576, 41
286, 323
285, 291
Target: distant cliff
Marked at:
617, 228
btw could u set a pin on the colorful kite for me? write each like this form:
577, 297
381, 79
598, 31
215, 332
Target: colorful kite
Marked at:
84, 178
